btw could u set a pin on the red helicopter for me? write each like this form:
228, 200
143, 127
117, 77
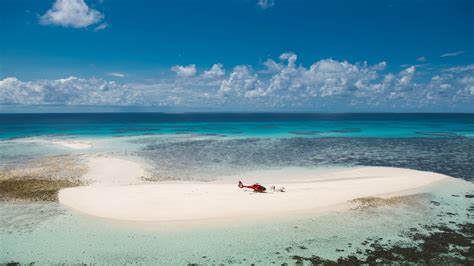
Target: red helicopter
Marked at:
256, 187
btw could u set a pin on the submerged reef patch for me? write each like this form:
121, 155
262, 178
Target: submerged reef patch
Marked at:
441, 245
438, 243
371, 202
33, 189
49, 167
305, 132
41, 179
187, 159
440, 134
346, 130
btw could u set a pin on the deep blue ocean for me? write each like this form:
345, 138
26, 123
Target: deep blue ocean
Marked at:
441, 143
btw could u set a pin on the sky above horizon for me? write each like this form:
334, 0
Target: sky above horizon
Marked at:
237, 55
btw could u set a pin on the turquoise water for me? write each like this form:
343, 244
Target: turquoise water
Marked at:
186, 146
48, 233
206, 146
183, 146
238, 125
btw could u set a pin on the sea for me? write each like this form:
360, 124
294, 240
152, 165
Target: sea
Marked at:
204, 146
441, 143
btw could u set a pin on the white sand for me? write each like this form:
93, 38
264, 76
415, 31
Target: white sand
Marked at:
71, 144
108, 197
107, 171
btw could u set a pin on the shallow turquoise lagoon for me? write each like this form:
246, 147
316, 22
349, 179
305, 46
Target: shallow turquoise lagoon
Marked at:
204, 146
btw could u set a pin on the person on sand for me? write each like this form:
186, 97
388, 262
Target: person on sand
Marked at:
256, 187
280, 189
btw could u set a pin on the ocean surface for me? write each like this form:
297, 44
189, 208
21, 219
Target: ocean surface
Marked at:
203, 147
273, 125
182, 146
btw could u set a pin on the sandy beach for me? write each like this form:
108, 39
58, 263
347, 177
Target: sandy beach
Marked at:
115, 192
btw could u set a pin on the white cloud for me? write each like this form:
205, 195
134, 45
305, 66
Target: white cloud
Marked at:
67, 91
290, 57
283, 85
217, 70
451, 87
406, 76
185, 71
72, 13
421, 59
452, 54
459, 69
116, 74
240, 81
102, 26
264, 4
271, 66
380, 66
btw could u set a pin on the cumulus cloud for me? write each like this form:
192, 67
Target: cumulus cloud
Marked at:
265, 4
185, 71
283, 84
239, 82
72, 13
217, 70
452, 54
406, 76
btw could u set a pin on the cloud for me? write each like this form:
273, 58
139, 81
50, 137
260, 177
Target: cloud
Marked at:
380, 66
283, 84
452, 88
421, 59
265, 4
452, 54
67, 91
217, 70
116, 74
102, 26
459, 69
184, 71
239, 82
290, 57
72, 13
271, 66
406, 76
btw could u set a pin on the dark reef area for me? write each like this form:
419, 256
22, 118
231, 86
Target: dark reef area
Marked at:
41, 179
33, 189
441, 246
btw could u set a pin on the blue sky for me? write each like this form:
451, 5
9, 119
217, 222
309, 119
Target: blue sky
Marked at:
259, 55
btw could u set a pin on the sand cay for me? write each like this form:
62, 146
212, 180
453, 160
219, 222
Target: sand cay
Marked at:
308, 191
